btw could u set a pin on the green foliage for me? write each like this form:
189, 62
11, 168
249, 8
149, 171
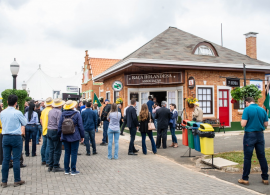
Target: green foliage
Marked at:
247, 91
179, 120
27, 99
21, 94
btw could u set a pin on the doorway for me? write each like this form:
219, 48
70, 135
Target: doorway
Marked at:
224, 106
160, 96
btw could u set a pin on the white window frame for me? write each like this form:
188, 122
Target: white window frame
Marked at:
213, 97
230, 105
140, 90
106, 95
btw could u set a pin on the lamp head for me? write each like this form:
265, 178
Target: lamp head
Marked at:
14, 67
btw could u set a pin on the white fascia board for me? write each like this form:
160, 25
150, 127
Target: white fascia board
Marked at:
180, 63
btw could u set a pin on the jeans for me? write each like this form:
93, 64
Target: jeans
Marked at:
132, 131
55, 148
112, 134
45, 150
161, 133
90, 136
123, 126
155, 123
144, 148
71, 149
172, 129
254, 140
11, 143
39, 132
30, 130
105, 131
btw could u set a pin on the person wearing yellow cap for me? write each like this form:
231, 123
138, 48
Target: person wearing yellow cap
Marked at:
44, 122
54, 141
197, 114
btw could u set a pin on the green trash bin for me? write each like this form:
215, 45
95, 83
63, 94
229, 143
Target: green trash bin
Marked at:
190, 135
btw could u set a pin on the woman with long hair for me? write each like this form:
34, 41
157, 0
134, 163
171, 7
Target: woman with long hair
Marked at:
31, 129
114, 118
144, 118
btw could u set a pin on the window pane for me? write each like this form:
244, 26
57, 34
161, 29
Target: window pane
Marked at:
200, 97
208, 91
225, 94
208, 104
200, 103
200, 91
225, 103
204, 91
208, 110
208, 97
204, 97
220, 103
220, 94
204, 110
204, 104
180, 100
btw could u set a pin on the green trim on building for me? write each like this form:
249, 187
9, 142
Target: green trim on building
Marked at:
98, 83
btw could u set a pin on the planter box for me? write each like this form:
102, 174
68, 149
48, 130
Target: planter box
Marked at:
240, 112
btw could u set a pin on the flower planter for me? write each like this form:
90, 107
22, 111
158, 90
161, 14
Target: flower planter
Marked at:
190, 105
240, 112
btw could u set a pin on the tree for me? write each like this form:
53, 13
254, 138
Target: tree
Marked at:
21, 94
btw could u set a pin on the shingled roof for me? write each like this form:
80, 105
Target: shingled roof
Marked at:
175, 44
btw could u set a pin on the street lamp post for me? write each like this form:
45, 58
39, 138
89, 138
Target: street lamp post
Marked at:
14, 68
28, 92
24, 85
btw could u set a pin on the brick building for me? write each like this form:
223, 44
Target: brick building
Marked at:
93, 67
176, 65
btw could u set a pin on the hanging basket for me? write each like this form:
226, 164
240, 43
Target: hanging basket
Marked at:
190, 105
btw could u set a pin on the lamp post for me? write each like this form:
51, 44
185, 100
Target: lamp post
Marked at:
14, 68
24, 85
28, 92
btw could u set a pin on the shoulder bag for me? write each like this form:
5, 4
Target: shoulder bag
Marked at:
151, 125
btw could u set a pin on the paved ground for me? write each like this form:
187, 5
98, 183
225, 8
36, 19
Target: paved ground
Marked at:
142, 174
222, 143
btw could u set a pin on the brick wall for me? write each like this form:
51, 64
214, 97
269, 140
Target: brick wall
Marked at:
211, 77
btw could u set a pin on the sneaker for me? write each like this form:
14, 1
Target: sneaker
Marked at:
94, 153
265, 182
43, 163
75, 173
67, 173
103, 144
4, 185
241, 181
58, 169
19, 183
88, 154
50, 169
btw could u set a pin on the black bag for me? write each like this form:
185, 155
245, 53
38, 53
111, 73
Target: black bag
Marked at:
68, 126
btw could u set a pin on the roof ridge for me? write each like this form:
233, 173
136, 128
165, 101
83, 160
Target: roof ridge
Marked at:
105, 58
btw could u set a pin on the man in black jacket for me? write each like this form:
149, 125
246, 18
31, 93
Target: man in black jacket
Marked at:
133, 125
163, 117
104, 115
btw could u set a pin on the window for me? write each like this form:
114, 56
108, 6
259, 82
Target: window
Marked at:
116, 95
205, 97
204, 50
180, 101
108, 95
171, 97
144, 98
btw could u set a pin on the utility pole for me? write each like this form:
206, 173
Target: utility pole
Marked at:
244, 69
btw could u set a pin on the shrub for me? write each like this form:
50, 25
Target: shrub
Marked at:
22, 94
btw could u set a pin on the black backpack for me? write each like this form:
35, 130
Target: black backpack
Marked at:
68, 126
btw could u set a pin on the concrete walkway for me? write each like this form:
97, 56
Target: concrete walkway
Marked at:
142, 174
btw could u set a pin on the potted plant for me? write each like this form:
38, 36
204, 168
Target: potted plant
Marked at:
119, 101
100, 99
191, 100
239, 94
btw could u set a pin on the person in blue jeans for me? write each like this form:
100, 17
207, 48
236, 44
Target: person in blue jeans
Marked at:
104, 116
144, 118
71, 141
39, 132
114, 118
174, 115
254, 119
31, 129
12, 121
89, 120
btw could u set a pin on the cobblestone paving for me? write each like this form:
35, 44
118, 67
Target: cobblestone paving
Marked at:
142, 174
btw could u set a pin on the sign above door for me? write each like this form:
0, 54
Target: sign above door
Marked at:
155, 78
233, 82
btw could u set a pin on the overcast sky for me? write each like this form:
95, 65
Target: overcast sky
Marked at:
56, 33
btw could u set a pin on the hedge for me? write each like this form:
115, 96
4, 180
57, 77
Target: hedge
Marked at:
22, 94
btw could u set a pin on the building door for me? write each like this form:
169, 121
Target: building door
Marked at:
224, 111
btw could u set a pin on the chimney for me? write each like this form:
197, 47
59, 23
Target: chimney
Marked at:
251, 44
86, 52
